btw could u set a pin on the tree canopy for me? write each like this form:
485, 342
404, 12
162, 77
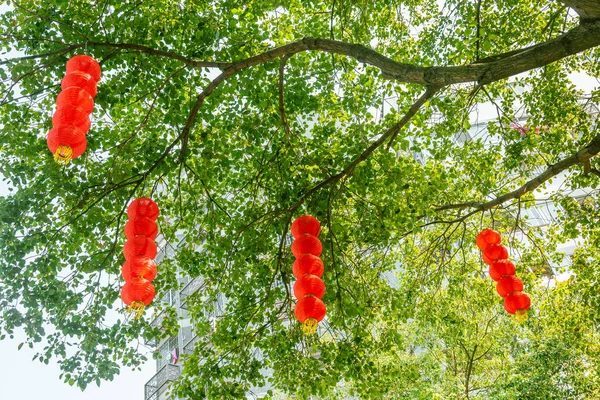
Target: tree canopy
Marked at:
237, 116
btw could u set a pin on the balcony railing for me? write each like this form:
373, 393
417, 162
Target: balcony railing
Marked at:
158, 319
188, 347
159, 383
192, 287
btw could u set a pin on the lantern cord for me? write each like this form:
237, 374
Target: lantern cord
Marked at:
63, 155
136, 308
309, 326
522, 315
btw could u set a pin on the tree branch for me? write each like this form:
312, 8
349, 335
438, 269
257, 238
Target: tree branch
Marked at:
185, 132
35, 56
376, 144
284, 121
578, 39
169, 54
587, 9
581, 156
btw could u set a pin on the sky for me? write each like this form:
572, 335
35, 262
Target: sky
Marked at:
24, 379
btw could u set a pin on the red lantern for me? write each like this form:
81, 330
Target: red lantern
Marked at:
496, 252
75, 97
80, 80
83, 63
139, 246
508, 285
487, 237
139, 267
143, 207
309, 285
139, 249
308, 269
141, 226
517, 303
500, 268
305, 225
137, 293
73, 105
306, 244
308, 264
72, 116
310, 311
66, 142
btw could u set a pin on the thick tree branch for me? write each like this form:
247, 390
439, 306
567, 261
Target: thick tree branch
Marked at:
583, 37
587, 9
580, 38
576, 40
582, 156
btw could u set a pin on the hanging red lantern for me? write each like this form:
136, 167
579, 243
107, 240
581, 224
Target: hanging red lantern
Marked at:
84, 63
308, 264
139, 267
141, 226
137, 294
517, 303
73, 104
487, 237
306, 244
496, 252
508, 285
308, 269
143, 207
500, 268
310, 311
309, 285
66, 142
72, 116
503, 270
81, 80
305, 224
75, 97
139, 246
139, 249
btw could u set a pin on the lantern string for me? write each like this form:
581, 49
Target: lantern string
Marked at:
63, 155
522, 315
136, 308
309, 327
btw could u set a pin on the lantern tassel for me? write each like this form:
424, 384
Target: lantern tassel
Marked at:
63, 155
136, 308
309, 326
522, 315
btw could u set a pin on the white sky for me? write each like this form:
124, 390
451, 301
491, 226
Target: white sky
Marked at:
24, 379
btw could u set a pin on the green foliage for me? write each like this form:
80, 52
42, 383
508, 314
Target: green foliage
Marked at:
411, 310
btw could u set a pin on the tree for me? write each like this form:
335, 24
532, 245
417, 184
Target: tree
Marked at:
238, 116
